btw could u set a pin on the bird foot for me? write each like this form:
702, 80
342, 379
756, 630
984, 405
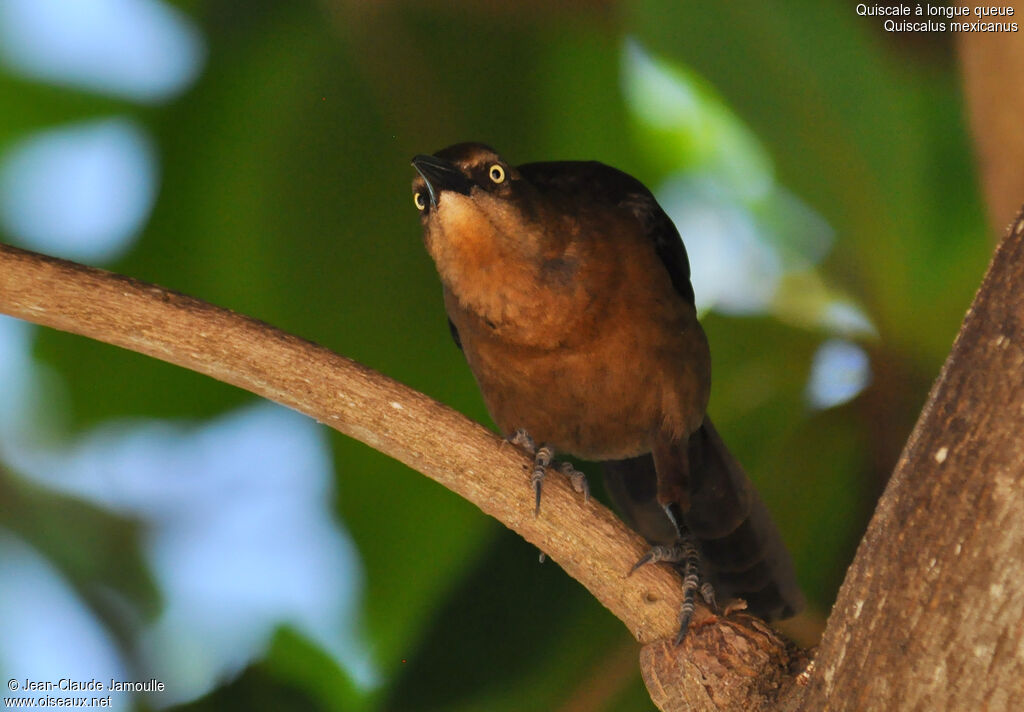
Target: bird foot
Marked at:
685, 557
543, 457
657, 554
577, 479
521, 438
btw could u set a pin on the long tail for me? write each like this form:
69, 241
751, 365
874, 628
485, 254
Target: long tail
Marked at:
744, 553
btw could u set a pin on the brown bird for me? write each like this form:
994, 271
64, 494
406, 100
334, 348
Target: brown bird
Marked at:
568, 290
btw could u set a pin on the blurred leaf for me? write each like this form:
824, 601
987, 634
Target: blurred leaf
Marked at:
294, 660
538, 633
872, 140
98, 551
807, 466
29, 106
257, 690
281, 197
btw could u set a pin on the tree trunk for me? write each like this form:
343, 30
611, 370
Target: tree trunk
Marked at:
992, 64
931, 614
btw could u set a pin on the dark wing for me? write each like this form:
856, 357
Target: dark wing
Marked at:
595, 181
738, 538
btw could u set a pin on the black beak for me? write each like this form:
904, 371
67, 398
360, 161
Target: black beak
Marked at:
440, 175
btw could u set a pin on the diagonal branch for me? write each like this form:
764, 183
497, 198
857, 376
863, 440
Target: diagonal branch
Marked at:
586, 539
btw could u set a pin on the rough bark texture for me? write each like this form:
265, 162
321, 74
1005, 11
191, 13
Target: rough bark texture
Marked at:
993, 69
739, 664
931, 614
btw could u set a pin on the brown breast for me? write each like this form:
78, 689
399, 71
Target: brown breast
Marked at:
602, 364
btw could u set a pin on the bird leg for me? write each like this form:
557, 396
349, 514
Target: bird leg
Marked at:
543, 457
685, 557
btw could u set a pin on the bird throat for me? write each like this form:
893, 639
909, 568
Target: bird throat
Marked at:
503, 270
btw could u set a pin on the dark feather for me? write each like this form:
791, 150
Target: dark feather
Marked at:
455, 334
595, 182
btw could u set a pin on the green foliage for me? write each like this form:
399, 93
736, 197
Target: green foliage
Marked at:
284, 195
96, 550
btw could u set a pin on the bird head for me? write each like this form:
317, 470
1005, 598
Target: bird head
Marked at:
477, 211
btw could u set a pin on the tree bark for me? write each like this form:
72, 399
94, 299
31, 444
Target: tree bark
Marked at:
738, 664
931, 614
992, 64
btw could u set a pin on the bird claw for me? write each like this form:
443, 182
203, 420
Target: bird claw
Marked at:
577, 479
541, 461
543, 457
684, 555
521, 438
537, 480
707, 592
659, 553
693, 582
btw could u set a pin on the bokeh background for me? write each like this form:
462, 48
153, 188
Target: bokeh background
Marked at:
157, 524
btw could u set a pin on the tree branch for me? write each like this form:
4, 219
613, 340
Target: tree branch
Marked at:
586, 539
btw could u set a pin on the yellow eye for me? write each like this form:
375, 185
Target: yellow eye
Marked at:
417, 198
497, 173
